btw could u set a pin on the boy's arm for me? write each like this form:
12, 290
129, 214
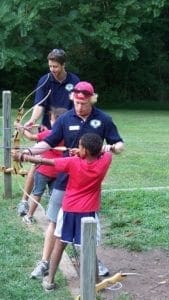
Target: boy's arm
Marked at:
30, 136
22, 157
26, 132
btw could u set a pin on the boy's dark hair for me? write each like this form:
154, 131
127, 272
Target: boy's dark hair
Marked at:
92, 142
57, 55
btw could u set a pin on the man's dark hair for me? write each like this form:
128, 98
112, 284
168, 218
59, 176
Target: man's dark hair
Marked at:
92, 142
57, 55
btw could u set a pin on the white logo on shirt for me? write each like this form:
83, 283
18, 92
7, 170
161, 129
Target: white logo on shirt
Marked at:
95, 123
69, 87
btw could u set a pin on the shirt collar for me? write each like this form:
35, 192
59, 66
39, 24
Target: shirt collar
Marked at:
93, 112
52, 78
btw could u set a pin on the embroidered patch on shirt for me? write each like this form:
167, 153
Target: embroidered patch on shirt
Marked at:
74, 127
95, 123
69, 87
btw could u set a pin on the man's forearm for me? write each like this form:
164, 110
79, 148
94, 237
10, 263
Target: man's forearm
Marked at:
38, 148
36, 114
118, 147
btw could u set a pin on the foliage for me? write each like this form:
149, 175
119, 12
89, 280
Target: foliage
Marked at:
18, 21
112, 25
110, 42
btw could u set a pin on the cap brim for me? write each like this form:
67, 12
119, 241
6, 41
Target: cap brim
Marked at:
81, 97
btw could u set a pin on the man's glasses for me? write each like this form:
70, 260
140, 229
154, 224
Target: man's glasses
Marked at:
84, 92
59, 52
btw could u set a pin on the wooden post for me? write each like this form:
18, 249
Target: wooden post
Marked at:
88, 259
6, 109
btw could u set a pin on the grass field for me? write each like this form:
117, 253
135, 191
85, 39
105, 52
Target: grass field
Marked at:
144, 162
20, 248
135, 205
135, 201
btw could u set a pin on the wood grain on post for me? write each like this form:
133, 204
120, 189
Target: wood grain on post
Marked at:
6, 109
88, 259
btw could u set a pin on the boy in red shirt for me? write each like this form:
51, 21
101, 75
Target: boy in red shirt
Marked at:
82, 196
45, 175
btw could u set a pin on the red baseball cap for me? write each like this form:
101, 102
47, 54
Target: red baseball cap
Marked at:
83, 90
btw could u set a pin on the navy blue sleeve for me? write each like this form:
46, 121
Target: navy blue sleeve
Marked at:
56, 135
111, 133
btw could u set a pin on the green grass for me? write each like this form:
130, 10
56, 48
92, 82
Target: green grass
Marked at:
20, 248
136, 220
135, 205
135, 216
146, 157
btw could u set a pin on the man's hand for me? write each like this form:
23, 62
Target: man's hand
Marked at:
116, 148
29, 124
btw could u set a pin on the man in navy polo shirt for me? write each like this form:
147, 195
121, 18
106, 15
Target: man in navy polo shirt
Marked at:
53, 90
81, 119
56, 86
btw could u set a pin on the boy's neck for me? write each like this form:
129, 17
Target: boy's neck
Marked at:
91, 158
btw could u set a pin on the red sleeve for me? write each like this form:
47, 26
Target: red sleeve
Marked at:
43, 134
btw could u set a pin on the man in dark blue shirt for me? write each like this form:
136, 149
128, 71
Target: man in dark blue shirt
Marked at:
83, 118
53, 90
71, 126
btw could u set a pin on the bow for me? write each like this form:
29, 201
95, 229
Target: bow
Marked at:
17, 166
16, 137
110, 281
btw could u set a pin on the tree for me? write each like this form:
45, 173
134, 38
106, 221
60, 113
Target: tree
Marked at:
98, 35
115, 25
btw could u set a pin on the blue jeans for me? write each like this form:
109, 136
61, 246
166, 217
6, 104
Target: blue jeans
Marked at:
40, 183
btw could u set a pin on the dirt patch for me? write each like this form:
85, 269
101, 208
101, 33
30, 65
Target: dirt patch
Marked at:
152, 267
151, 281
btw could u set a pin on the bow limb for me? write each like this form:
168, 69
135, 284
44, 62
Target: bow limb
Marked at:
111, 280
34, 91
17, 167
40, 102
103, 284
16, 137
